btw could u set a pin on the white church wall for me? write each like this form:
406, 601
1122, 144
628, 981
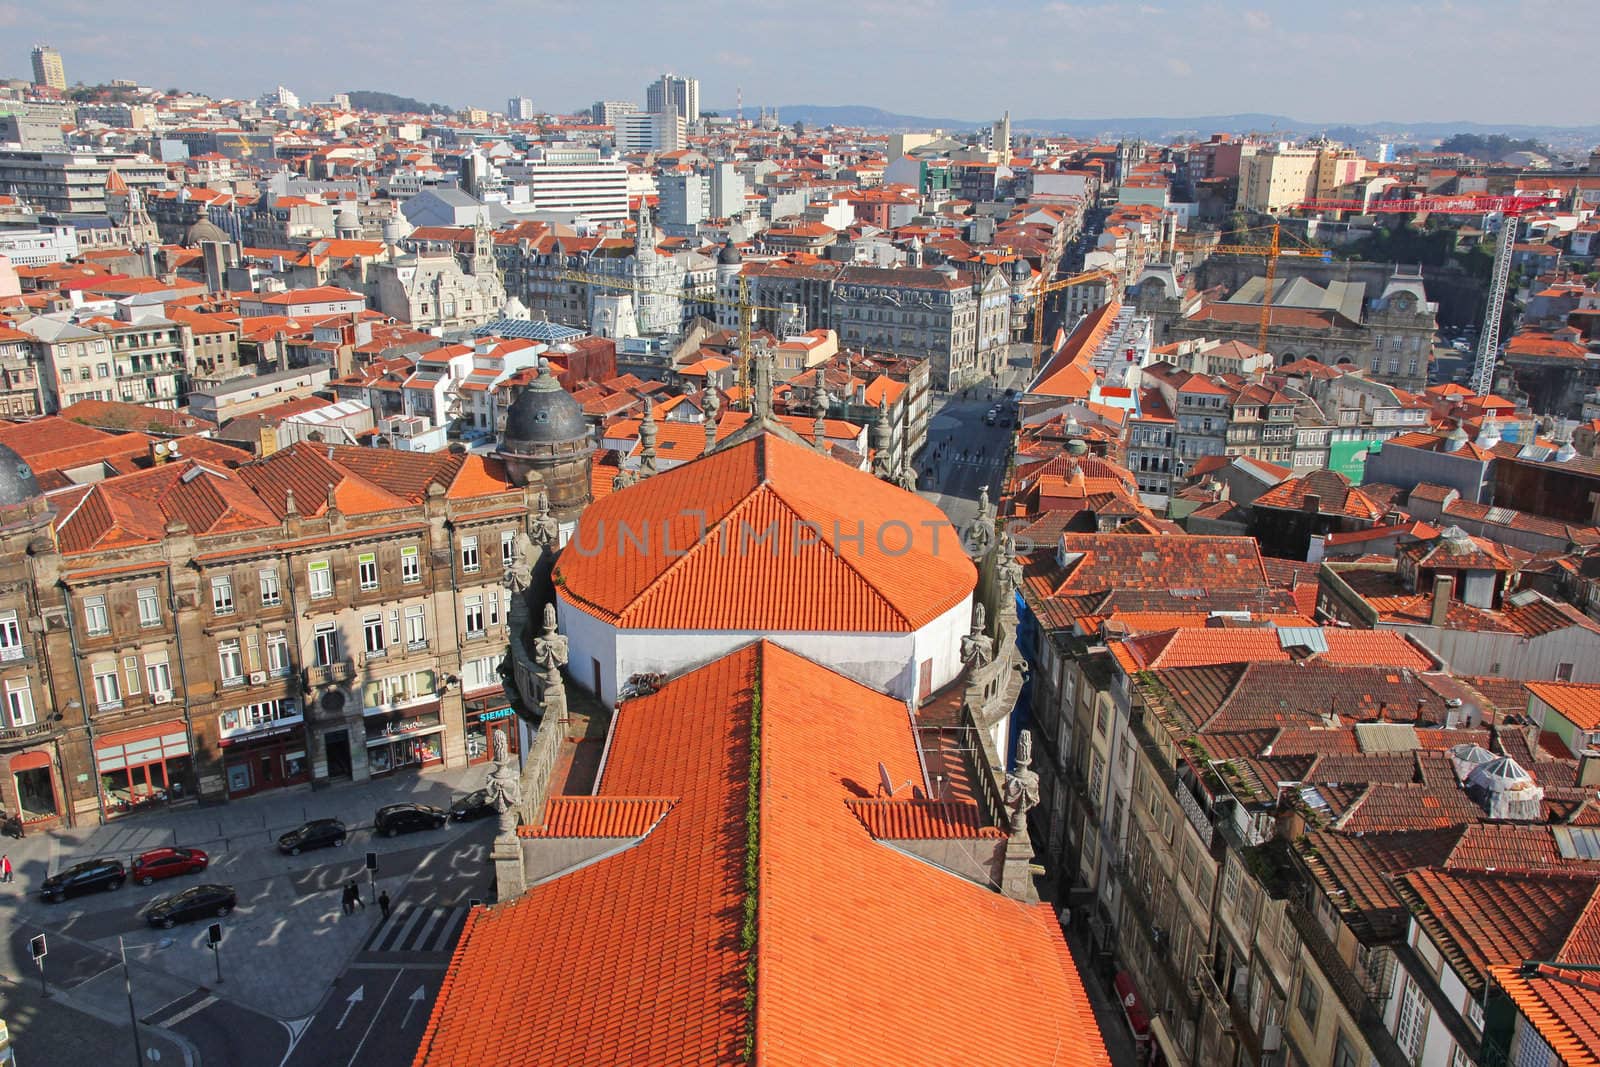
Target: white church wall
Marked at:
940, 641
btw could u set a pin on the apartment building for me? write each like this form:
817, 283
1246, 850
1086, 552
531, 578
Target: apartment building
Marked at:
75, 182
323, 613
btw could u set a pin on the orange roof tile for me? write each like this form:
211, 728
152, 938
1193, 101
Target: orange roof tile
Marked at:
1576, 702
703, 563
1562, 1005
599, 817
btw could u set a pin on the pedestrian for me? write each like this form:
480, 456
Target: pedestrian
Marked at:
346, 902
5, 868
355, 896
383, 903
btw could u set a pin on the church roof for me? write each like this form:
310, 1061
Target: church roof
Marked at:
765, 534
637, 957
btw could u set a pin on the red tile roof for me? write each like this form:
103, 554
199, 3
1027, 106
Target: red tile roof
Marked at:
637, 956
1562, 1006
703, 564
1576, 702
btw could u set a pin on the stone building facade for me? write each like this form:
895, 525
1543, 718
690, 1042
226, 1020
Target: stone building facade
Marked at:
323, 613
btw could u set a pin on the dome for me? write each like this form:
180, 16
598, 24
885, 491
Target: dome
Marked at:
545, 414
729, 256
1500, 774
349, 218
204, 230
17, 483
766, 536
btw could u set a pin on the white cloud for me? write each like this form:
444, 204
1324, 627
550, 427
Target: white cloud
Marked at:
1259, 21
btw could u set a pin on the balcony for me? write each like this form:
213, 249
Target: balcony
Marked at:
21, 735
336, 673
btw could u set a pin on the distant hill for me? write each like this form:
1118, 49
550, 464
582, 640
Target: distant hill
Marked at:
1168, 127
391, 104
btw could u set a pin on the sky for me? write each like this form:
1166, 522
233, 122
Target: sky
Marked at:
1490, 61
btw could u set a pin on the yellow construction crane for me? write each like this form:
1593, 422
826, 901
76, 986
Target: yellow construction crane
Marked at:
1054, 287
1270, 252
743, 304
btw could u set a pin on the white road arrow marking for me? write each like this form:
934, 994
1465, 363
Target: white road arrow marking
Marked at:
416, 998
350, 1003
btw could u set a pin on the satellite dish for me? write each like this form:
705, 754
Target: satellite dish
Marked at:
884, 782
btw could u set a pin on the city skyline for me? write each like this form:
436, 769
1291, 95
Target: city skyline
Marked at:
1273, 58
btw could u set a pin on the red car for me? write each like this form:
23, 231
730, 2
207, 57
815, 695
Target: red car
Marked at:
167, 863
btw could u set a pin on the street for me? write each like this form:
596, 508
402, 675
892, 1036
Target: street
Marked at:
972, 456
301, 982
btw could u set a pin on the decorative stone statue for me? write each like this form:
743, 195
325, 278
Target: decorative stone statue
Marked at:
977, 648
980, 535
1022, 785
881, 444
550, 647
503, 786
622, 479
543, 527
1007, 569
907, 478
524, 557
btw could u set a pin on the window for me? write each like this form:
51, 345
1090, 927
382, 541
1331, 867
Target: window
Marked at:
481, 673
253, 715
130, 674
321, 579
410, 566
508, 546
1413, 1022
372, 628
149, 606
394, 626
368, 570
158, 674
222, 595
1309, 1001
469, 554
494, 609
271, 595
1095, 777
325, 644
474, 616
107, 690
19, 703
416, 628
231, 661
1563, 672
278, 653
95, 619
10, 636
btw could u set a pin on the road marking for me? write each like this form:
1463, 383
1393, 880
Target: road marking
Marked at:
416, 998
192, 1009
375, 1017
297, 1029
350, 1003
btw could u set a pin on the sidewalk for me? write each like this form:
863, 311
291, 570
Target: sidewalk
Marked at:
221, 828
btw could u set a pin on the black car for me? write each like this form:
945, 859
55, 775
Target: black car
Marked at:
404, 818
318, 833
85, 877
196, 902
474, 805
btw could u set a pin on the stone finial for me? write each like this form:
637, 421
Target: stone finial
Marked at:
977, 647
647, 440
710, 407
1022, 785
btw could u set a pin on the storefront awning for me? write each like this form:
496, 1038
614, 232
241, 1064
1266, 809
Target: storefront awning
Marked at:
1132, 1006
1167, 1047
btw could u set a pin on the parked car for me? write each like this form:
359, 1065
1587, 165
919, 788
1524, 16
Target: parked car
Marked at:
405, 818
474, 805
196, 902
85, 877
318, 833
168, 863
988, 420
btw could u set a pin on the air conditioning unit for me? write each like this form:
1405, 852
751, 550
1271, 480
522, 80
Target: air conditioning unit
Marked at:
163, 697
257, 677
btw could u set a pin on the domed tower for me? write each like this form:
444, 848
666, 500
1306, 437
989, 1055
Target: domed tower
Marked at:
729, 263
22, 503
546, 434
347, 224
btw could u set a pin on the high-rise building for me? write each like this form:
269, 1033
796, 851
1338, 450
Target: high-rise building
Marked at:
682, 199
727, 192
672, 93
519, 108
650, 132
1000, 136
47, 68
573, 180
610, 112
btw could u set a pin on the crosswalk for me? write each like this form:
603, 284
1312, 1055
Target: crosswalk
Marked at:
178, 1010
418, 929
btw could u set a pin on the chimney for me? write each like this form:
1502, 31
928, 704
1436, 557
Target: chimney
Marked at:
1442, 584
1589, 769
1313, 504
